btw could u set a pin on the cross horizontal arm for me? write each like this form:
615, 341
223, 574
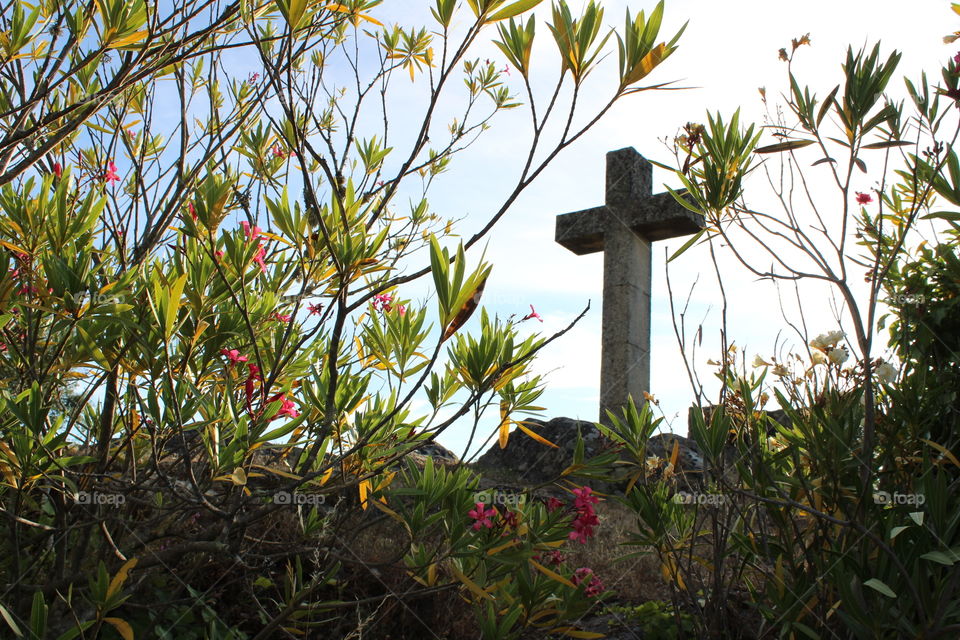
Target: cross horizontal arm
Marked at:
657, 217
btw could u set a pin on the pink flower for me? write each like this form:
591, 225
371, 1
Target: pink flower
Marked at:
555, 557
594, 584
259, 256
402, 310
383, 301
584, 499
280, 316
110, 175
315, 309
192, 210
586, 518
510, 519
278, 152
864, 198
287, 407
481, 516
533, 314
553, 504
956, 58
217, 254
506, 69
57, 169
253, 77
583, 527
252, 233
233, 355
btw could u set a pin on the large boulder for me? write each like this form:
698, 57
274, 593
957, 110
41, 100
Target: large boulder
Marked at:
527, 462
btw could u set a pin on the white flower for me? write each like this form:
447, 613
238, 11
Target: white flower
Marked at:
760, 362
818, 358
825, 341
886, 373
820, 342
835, 336
838, 355
780, 370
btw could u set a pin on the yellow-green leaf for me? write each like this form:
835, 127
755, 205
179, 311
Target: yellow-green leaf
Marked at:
468, 583
117, 583
513, 10
553, 575
535, 436
122, 627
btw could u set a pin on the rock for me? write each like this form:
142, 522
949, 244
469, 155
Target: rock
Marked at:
526, 461
438, 452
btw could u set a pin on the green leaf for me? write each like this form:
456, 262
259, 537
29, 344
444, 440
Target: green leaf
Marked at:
897, 531
790, 145
8, 618
513, 10
686, 245
887, 144
880, 586
173, 305
948, 558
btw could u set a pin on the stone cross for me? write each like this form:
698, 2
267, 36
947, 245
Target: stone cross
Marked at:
624, 229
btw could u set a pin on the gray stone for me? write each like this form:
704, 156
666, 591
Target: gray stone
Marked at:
526, 462
624, 228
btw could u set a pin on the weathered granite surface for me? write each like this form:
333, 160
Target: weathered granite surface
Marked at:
528, 462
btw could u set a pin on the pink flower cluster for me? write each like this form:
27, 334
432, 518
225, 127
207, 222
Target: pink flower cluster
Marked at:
586, 518
252, 234
864, 198
287, 406
594, 584
233, 356
384, 302
110, 175
279, 152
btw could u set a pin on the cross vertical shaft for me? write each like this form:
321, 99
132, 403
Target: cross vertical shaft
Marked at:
625, 365
624, 228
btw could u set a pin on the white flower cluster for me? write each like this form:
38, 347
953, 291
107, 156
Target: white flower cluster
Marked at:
827, 349
778, 369
886, 372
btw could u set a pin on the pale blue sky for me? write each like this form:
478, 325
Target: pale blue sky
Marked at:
728, 51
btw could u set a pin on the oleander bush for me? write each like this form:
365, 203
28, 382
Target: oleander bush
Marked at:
214, 376
843, 519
